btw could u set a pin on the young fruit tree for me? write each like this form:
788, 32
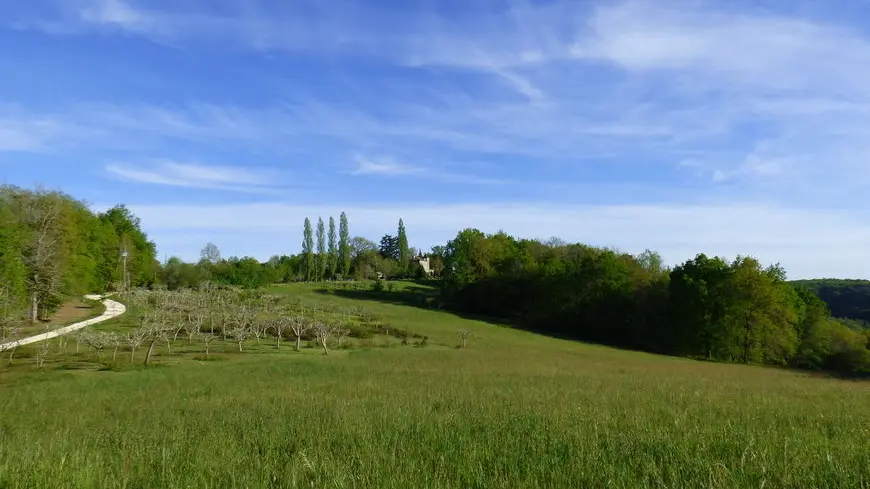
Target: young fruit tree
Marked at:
156, 334
9, 334
165, 335
240, 334
42, 351
322, 332
259, 329
194, 324
97, 341
464, 335
279, 325
135, 339
115, 340
299, 326
207, 339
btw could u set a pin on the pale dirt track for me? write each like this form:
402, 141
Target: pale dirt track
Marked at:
113, 310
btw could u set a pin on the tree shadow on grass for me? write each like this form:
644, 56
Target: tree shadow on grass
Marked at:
425, 296
419, 296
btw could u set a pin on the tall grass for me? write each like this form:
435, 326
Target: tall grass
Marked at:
512, 410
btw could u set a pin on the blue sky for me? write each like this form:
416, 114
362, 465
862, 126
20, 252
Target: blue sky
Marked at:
683, 126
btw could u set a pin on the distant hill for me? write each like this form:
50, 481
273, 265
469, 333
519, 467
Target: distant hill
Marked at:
847, 299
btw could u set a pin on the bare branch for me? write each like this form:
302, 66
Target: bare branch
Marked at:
322, 332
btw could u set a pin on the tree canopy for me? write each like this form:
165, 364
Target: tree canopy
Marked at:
707, 307
53, 246
847, 299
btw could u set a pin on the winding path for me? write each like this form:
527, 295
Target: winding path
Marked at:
113, 310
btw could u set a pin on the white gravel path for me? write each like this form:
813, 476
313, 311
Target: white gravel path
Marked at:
113, 310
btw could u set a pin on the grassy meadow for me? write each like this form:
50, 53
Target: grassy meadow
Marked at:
512, 410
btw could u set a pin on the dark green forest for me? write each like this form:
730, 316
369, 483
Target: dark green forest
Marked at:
706, 308
53, 247
848, 300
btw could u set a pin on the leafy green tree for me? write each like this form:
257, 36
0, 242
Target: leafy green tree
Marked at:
13, 272
388, 267
465, 258
389, 247
180, 275
360, 245
344, 248
284, 269
321, 250
761, 311
699, 303
366, 258
308, 251
249, 273
142, 264
651, 261
848, 350
814, 330
849, 299
332, 250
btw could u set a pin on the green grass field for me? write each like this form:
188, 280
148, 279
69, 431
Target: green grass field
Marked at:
512, 410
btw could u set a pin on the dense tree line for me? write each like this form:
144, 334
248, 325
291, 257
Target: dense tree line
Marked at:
53, 246
848, 299
734, 311
328, 253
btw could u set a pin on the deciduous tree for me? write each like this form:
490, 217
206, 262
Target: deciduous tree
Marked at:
332, 251
344, 249
308, 251
210, 254
404, 251
321, 250
322, 332
300, 326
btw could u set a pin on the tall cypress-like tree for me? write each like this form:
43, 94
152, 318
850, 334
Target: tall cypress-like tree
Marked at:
404, 251
321, 249
332, 250
308, 250
344, 245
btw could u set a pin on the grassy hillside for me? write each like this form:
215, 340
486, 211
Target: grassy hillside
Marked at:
512, 410
847, 299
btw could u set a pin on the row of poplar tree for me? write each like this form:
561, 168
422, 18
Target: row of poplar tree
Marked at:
327, 256
328, 253
53, 246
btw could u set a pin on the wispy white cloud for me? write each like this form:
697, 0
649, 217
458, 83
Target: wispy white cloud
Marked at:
383, 166
28, 132
130, 126
115, 12
193, 175
387, 166
15, 138
730, 48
